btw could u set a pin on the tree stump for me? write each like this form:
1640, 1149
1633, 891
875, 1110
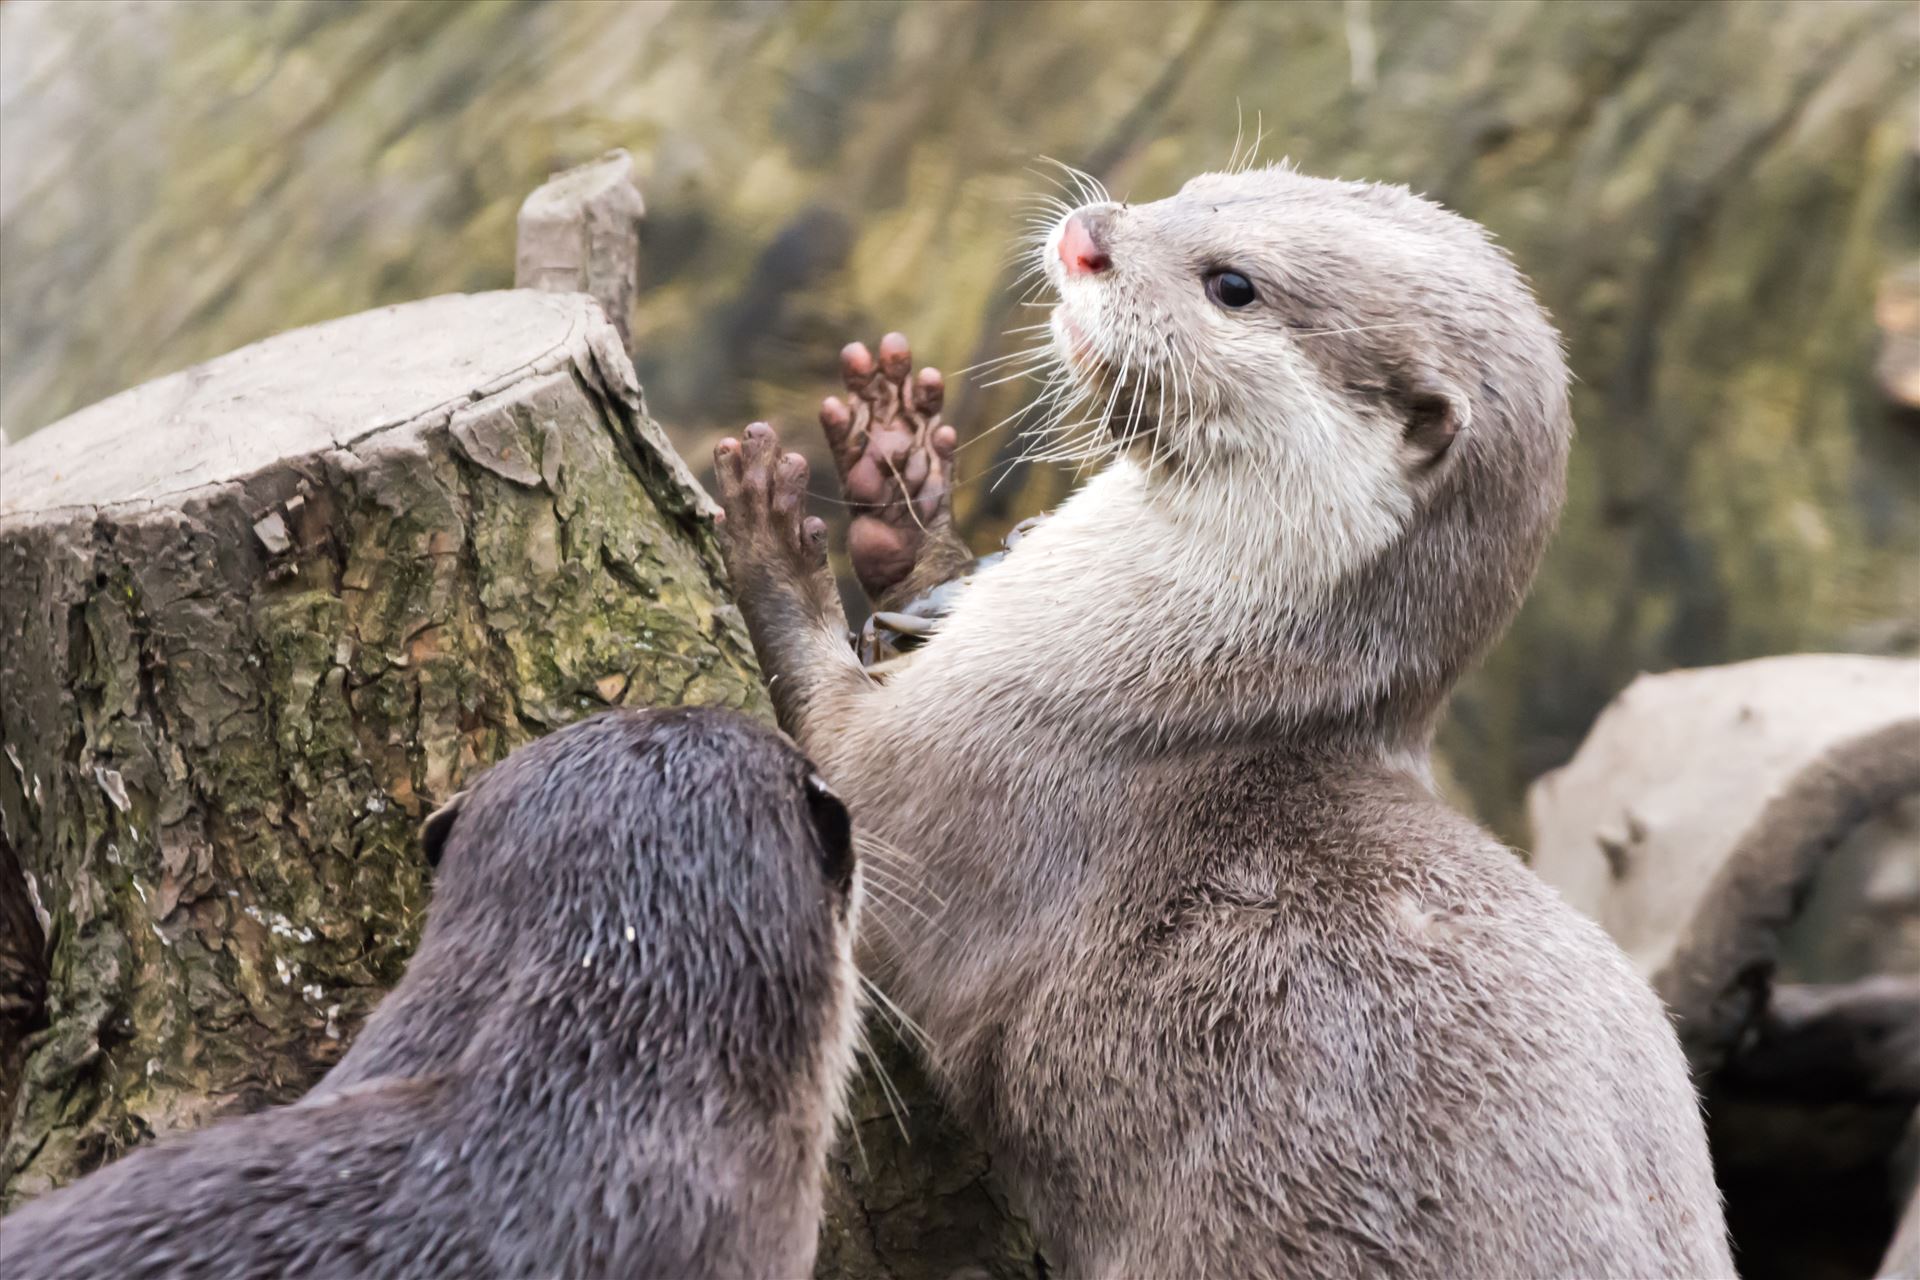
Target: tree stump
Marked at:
579, 232
260, 616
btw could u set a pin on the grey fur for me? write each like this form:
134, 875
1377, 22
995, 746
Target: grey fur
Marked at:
1229, 989
541, 1094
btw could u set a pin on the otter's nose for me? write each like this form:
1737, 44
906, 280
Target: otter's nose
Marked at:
1083, 242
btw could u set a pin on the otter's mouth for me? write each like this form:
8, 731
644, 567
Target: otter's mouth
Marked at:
1121, 409
1074, 343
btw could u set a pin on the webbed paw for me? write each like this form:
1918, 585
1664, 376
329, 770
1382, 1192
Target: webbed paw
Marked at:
895, 459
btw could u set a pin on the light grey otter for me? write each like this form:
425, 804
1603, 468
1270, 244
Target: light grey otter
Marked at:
619, 1050
1227, 987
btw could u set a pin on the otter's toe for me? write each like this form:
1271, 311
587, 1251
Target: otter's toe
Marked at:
896, 357
929, 393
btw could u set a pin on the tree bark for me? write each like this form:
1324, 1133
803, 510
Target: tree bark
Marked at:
261, 616
579, 232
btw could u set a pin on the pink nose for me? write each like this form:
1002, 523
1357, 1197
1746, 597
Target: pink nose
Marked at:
1080, 248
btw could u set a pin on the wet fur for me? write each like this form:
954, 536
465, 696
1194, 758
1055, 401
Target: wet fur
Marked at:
1229, 989
541, 1095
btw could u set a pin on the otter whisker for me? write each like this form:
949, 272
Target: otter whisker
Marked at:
1017, 415
886, 879
898, 898
1259, 136
863, 1049
895, 895
1039, 206
892, 879
1083, 183
889, 861
897, 1018
1089, 188
913, 508
1058, 430
898, 894
896, 1105
1362, 328
1029, 197
1015, 376
1056, 384
1026, 353
1037, 273
871, 905
1048, 178
895, 866
1035, 368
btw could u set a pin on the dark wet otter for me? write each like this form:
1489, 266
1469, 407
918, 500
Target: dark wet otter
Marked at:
1229, 989
619, 1051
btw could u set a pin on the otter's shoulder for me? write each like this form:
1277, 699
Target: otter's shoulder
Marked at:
1363, 845
1379, 902
1455, 874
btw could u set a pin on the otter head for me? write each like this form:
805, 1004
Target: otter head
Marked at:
1361, 383
677, 883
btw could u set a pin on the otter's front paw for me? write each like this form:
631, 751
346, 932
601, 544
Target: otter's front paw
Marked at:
895, 459
765, 533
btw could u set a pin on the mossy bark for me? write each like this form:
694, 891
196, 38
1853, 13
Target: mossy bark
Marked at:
226, 707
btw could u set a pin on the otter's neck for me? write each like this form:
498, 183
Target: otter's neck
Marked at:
1168, 612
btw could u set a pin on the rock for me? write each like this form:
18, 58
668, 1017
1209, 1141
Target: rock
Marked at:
1702, 807
1738, 829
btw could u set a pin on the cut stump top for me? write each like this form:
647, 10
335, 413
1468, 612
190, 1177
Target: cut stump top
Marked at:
294, 395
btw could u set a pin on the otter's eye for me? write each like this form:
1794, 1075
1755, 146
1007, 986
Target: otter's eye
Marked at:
1230, 289
835, 831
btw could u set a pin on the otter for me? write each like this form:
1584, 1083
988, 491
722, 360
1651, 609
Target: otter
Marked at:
619, 1050
1226, 986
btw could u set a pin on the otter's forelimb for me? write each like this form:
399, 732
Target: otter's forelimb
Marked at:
777, 557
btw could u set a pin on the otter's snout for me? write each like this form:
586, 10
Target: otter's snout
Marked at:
1083, 242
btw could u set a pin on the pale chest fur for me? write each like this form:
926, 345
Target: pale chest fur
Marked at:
1149, 586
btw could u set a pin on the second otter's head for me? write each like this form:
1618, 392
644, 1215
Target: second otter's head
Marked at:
680, 887
1360, 375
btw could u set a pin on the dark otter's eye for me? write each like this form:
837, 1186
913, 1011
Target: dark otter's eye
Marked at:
835, 831
1230, 289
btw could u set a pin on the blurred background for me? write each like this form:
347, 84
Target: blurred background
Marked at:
1718, 202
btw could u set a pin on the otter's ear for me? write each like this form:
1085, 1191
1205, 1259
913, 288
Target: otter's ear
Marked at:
834, 828
438, 826
1433, 414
